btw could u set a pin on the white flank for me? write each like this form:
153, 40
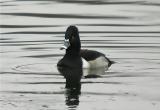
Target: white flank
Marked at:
99, 62
85, 64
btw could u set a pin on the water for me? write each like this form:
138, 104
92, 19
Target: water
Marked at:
127, 31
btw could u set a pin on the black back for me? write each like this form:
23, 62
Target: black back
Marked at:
89, 55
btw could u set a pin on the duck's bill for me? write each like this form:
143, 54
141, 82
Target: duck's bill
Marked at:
63, 47
66, 44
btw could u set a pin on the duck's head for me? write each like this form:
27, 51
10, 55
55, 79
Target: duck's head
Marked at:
72, 40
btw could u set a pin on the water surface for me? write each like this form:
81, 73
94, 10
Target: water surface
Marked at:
127, 31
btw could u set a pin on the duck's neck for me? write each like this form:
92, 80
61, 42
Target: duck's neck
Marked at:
75, 48
73, 51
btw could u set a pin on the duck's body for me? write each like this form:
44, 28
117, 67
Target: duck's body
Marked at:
95, 59
76, 57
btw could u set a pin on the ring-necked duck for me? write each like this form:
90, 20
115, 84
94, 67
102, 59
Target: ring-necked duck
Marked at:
76, 57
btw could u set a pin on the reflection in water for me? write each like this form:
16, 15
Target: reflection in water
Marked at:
73, 82
73, 77
73, 85
72, 97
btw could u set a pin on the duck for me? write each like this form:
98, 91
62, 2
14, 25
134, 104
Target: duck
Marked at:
75, 57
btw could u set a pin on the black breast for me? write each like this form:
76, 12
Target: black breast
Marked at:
71, 61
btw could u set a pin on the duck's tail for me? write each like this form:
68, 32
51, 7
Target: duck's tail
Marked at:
110, 62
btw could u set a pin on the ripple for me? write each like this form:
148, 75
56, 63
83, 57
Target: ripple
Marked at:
75, 16
120, 25
34, 92
104, 46
4, 39
44, 55
99, 2
37, 48
27, 26
37, 41
82, 82
63, 92
36, 68
33, 32
85, 32
42, 26
21, 72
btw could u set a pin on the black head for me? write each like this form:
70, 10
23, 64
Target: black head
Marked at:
72, 40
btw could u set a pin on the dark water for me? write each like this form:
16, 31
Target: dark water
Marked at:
127, 31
